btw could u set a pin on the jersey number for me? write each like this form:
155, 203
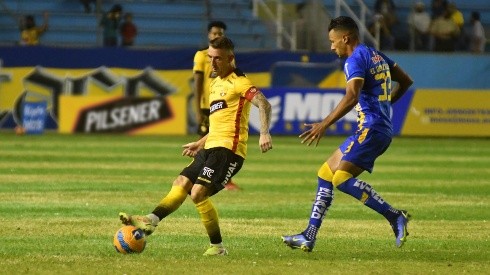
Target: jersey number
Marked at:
386, 85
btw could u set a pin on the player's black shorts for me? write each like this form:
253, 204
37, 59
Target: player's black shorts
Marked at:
213, 168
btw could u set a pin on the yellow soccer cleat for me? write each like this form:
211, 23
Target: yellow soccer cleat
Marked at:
216, 250
142, 222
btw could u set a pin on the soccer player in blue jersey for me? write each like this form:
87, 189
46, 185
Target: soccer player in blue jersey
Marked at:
370, 89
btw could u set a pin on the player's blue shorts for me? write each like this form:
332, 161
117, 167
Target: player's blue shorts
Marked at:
364, 147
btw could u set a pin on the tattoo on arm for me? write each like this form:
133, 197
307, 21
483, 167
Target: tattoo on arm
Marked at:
264, 106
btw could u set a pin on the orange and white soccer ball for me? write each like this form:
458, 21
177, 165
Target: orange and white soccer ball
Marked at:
129, 239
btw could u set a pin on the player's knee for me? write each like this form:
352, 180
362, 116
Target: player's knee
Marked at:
340, 177
183, 182
325, 172
199, 193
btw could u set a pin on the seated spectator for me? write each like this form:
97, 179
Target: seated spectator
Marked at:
477, 36
445, 33
128, 30
418, 24
30, 33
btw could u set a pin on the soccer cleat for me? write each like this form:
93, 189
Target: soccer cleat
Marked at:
142, 222
298, 241
231, 186
399, 227
216, 250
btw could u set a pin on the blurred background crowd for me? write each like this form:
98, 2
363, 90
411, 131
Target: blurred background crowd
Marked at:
402, 25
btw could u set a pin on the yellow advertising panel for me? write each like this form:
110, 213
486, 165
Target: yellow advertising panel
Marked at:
116, 114
448, 113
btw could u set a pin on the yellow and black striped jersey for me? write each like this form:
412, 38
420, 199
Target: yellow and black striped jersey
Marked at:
229, 112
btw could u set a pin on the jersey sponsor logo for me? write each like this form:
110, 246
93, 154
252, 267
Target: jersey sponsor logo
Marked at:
230, 171
376, 58
208, 172
217, 105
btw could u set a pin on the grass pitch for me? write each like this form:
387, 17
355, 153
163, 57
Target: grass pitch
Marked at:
60, 196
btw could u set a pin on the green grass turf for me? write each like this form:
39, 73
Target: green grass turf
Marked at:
60, 196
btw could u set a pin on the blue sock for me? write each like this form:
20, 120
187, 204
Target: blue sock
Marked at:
366, 194
323, 200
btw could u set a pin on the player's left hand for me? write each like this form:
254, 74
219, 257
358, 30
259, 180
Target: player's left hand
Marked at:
265, 142
315, 133
191, 149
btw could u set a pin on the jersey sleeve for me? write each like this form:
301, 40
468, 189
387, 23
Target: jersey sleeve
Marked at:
246, 89
199, 62
388, 60
354, 68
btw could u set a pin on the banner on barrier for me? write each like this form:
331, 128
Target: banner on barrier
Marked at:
293, 107
131, 115
448, 113
33, 117
417, 113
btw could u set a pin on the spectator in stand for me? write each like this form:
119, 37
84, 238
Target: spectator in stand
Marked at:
477, 36
445, 33
386, 39
457, 17
386, 8
110, 23
30, 33
87, 5
128, 30
438, 8
418, 24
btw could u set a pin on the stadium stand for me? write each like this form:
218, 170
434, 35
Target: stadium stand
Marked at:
161, 24
170, 24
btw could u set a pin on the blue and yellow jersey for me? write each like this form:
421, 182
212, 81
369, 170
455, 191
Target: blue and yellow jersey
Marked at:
229, 112
374, 107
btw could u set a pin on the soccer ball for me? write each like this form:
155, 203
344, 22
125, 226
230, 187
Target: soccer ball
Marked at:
129, 239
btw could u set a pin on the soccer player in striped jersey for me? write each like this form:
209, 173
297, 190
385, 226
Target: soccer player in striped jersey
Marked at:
219, 155
370, 89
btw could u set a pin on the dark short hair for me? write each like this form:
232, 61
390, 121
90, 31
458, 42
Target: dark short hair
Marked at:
343, 23
116, 8
475, 15
218, 24
222, 42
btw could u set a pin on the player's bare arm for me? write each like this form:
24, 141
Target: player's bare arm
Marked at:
198, 87
191, 148
403, 81
317, 130
265, 140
